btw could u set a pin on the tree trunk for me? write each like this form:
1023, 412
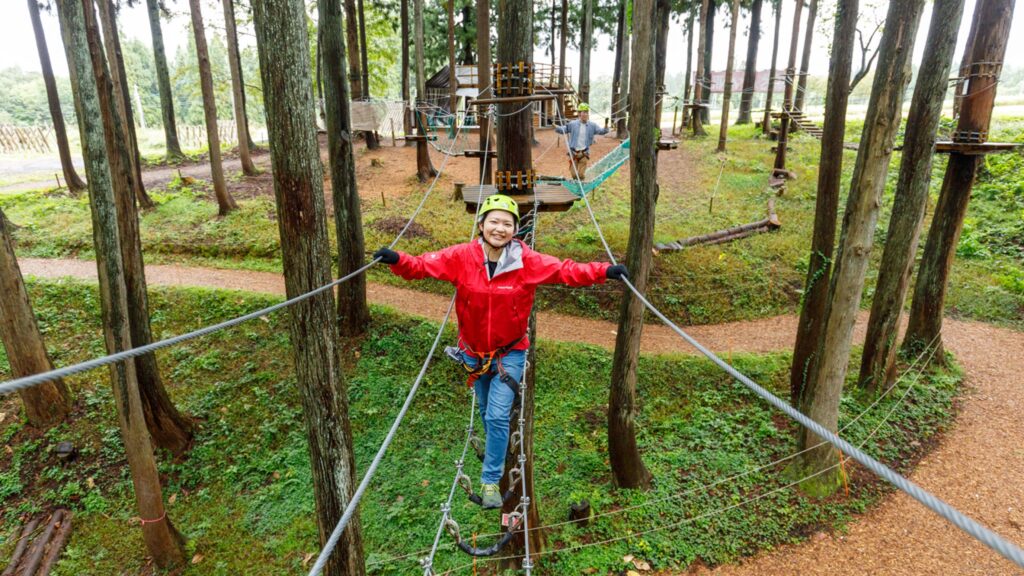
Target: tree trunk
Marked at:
237, 89
988, 50
167, 427
709, 44
700, 84
617, 103
801, 91
483, 49
830, 170
302, 220
355, 75
585, 48
766, 126
453, 80
468, 58
407, 120
67, 165
621, 127
353, 313
515, 44
750, 71
563, 38
878, 362
821, 396
163, 82
372, 142
119, 80
687, 85
723, 130
225, 202
241, 82
787, 98
162, 540
623, 452
421, 76
664, 11
49, 403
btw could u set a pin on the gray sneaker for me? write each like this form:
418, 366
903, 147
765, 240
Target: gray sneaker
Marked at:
490, 496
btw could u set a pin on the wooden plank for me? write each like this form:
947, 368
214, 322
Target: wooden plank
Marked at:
552, 197
511, 99
974, 148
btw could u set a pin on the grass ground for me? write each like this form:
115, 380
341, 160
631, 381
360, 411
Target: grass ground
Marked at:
242, 495
701, 191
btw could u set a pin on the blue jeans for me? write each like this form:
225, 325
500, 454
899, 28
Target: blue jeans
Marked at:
495, 398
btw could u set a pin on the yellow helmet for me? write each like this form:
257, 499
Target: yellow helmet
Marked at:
583, 107
500, 202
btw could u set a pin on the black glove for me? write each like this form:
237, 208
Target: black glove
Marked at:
617, 272
387, 256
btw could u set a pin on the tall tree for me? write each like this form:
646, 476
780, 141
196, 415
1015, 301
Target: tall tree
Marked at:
709, 44
822, 394
483, 75
424, 169
723, 131
162, 540
787, 99
67, 165
623, 452
878, 363
586, 29
687, 85
407, 121
353, 313
805, 62
750, 70
168, 428
563, 38
830, 170
355, 74
372, 142
766, 125
301, 214
700, 84
664, 12
237, 88
119, 81
225, 202
163, 82
49, 403
621, 127
987, 52
453, 79
618, 102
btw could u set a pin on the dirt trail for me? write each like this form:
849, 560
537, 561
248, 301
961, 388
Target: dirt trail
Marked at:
978, 467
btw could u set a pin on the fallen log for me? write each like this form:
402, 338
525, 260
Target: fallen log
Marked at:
19, 550
35, 557
57, 546
769, 223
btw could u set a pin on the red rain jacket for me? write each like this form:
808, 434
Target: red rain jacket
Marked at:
495, 312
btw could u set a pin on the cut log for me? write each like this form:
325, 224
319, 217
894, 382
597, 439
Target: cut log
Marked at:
771, 222
35, 556
57, 546
19, 550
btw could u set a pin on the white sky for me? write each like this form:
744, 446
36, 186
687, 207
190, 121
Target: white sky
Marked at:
17, 45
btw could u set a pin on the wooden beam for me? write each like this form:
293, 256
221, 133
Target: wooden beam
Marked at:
511, 99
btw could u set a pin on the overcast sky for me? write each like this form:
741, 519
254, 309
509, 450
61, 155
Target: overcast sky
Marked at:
17, 46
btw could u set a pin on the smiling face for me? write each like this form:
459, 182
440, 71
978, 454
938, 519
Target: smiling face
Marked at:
497, 228
584, 116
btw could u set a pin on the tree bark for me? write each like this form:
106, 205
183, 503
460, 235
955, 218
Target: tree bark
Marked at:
787, 98
821, 396
353, 313
163, 82
801, 90
162, 540
515, 44
586, 29
453, 81
49, 403
709, 44
989, 48
407, 121
664, 11
621, 126
700, 84
750, 71
563, 38
302, 220
766, 126
355, 75
167, 427
687, 84
878, 362
617, 100
723, 130
830, 170
67, 164
623, 452
119, 80
468, 58
372, 142
237, 89
483, 49
225, 202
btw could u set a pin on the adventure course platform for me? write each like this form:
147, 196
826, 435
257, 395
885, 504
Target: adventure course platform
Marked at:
549, 197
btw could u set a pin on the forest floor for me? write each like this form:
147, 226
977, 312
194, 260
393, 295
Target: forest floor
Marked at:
978, 466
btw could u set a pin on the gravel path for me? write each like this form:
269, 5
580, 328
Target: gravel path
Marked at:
978, 467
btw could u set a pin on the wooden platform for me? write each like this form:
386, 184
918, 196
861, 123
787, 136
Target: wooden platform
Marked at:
552, 197
974, 148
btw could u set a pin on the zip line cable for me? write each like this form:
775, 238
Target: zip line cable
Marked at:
1005, 548
353, 504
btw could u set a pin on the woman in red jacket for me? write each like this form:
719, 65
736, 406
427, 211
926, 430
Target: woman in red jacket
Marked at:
496, 278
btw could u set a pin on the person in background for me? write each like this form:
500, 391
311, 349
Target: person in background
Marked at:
581, 137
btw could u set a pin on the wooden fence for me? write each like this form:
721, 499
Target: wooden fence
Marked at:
15, 139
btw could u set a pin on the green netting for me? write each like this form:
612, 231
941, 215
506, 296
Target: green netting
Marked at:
599, 171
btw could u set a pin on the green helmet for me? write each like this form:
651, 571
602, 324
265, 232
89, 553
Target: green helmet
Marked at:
583, 107
500, 202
